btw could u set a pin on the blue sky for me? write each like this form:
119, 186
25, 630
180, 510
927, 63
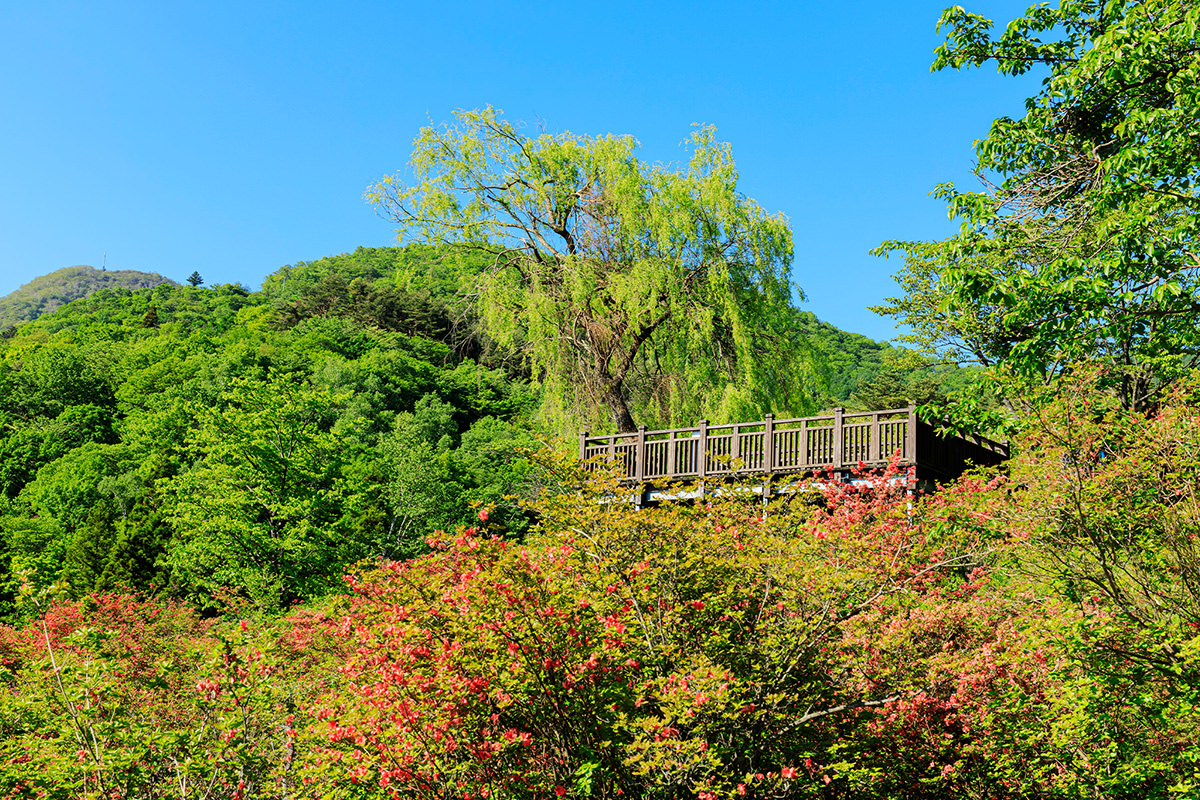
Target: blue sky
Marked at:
233, 138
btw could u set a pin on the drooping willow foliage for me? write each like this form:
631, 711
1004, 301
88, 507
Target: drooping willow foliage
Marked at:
638, 293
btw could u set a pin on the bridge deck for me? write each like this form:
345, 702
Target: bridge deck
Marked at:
837, 442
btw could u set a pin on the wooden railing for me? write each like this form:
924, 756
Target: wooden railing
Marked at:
772, 446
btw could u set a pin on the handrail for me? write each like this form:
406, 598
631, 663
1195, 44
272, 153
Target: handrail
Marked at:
788, 446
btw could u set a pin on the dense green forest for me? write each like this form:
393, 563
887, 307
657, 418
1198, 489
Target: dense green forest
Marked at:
331, 414
319, 540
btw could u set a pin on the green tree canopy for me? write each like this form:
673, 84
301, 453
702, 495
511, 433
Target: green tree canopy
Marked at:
1083, 244
634, 290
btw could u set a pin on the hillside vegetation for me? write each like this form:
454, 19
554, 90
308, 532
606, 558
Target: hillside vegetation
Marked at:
50, 292
191, 441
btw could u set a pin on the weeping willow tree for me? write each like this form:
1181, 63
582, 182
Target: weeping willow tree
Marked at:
638, 293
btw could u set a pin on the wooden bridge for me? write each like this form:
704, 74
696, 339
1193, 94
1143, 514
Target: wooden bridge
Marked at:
836, 443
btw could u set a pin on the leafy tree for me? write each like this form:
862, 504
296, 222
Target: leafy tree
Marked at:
435, 476
631, 288
1091, 690
268, 509
903, 377
424, 489
498, 460
33, 552
439, 270
101, 419
150, 320
40, 442
1085, 242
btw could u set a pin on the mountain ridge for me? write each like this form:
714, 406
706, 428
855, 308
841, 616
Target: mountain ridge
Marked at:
47, 293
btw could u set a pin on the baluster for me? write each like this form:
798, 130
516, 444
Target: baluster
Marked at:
735, 448
910, 435
874, 446
839, 438
639, 455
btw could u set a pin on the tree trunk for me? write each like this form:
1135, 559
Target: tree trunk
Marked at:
614, 398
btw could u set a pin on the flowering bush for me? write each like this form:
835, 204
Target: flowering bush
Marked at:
115, 696
709, 649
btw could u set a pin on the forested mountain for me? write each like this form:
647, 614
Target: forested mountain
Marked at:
187, 440
864, 375
50, 292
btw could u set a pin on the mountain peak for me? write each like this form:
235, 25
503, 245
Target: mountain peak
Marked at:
54, 290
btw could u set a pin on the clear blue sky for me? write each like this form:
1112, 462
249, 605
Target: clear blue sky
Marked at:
233, 138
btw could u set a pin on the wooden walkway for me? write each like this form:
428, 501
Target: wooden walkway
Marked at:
837, 443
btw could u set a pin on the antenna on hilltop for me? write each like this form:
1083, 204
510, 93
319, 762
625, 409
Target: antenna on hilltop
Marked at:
104, 263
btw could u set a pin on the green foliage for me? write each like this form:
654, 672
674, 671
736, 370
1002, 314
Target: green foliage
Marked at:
629, 287
268, 506
118, 413
433, 477
1085, 248
142, 449
150, 320
441, 272
863, 374
368, 305
1102, 518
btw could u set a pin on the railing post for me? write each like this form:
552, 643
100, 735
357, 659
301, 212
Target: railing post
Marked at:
702, 450
839, 438
583, 445
672, 458
735, 448
804, 458
769, 444
910, 435
875, 448
639, 455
